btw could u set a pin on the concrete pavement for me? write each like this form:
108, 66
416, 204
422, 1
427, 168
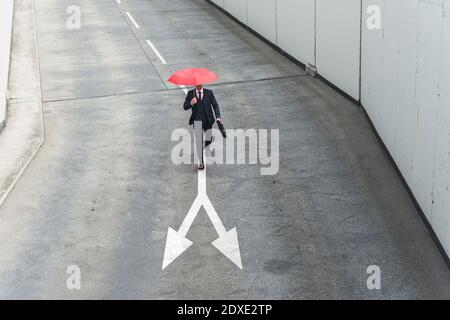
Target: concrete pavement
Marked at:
102, 191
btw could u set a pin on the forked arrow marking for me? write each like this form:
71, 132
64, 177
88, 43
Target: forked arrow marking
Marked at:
177, 243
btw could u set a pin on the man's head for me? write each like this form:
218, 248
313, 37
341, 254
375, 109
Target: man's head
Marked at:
199, 87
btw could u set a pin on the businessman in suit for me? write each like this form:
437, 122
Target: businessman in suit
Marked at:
205, 112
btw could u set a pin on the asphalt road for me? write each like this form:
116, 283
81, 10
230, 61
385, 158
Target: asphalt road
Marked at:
103, 191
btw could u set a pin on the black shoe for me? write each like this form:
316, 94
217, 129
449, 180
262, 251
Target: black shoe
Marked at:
201, 166
207, 143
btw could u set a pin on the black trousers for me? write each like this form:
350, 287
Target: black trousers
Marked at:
200, 128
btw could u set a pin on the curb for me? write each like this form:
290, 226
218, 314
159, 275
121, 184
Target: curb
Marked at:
34, 152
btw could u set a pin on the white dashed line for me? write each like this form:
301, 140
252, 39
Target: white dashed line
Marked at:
156, 52
132, 20
184, 89
119, 2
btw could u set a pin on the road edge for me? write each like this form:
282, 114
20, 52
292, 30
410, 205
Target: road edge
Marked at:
41, 142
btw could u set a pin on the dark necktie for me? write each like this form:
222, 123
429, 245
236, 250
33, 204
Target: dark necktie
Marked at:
199, 94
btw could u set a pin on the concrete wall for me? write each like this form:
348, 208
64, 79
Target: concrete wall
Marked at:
406, 91
403, 70
316, 32
261, 16
338, 36
6, 18
296, 29
220, 3
238, 8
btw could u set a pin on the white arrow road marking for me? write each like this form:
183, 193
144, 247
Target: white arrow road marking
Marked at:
177, 243
228, 244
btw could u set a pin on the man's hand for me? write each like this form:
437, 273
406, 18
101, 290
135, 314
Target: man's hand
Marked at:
218, 119
194, 101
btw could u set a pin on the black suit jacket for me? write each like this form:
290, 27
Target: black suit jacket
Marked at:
209, 102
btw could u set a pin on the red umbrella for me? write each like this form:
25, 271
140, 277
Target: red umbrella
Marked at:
193, 77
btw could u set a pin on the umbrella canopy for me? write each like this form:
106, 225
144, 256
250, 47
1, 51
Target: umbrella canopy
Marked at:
193, 77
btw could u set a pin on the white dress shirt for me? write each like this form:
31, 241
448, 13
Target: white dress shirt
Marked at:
199, 96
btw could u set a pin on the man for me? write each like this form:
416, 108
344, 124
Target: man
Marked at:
205, 112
